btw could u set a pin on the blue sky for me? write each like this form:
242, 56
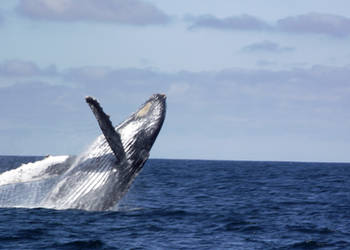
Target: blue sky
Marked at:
245, 80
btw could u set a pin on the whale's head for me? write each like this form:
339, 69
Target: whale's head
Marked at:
139, 132
132, 139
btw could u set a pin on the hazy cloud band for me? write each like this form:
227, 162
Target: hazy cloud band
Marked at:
133, 12
311, 23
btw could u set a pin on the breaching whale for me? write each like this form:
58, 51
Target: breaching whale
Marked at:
98, 178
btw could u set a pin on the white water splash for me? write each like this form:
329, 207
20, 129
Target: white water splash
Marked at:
28, 184
31, 171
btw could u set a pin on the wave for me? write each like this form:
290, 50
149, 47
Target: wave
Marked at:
28, 184
32, 171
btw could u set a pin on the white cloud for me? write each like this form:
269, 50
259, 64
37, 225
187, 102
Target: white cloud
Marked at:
178, 88
14, 71
316, 23
18, 68
242, 22
133, 12
266, 46
311, 23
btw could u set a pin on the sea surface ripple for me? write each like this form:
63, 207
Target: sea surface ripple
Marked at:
198, 204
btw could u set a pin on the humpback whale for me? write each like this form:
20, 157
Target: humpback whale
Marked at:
98, 178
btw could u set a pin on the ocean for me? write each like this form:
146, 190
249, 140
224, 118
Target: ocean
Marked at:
199, 204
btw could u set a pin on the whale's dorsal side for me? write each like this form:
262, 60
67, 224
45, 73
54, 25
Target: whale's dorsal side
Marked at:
111, 135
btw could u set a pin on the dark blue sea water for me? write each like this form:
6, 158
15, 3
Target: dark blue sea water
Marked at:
191, 204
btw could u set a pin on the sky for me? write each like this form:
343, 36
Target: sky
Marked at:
245, 80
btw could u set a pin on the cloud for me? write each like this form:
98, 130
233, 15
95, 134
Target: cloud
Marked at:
242, 22
103, 79
316, 23
127, 79
19, 68
266, 46
17, 71
263, 63
133, 12
311, 23
300, 108
39, 117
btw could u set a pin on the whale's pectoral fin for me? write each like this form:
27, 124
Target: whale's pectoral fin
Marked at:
112, 136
